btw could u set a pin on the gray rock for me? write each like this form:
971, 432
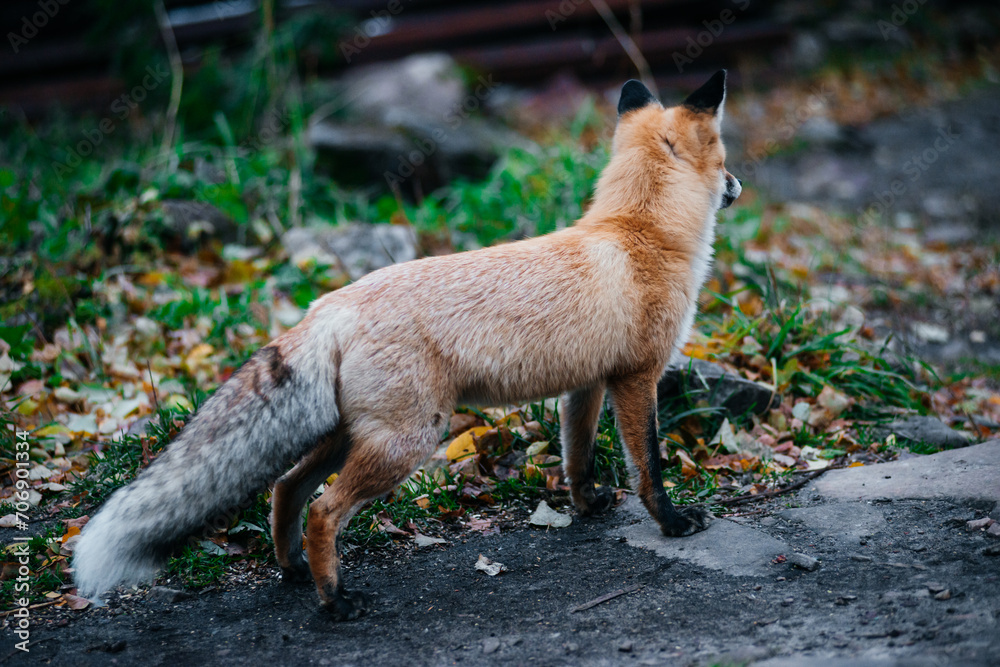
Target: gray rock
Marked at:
195, 221
491, 645
726, 546
429, 84
967, 474
411, 126
168, 595
930, 430
703, 379
848, 522
356, 248
803, 561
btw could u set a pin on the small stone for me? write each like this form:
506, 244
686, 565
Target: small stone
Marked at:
843, 600
491, 645
168, 595
787, 602
572, 647
994, 530
861, 558
625, 646
978, 524
992, 551
935, 587
803, 561
943, 595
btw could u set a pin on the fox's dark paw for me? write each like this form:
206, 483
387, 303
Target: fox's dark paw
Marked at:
604, 497
298, 572
348, 605
594, 501
686, 521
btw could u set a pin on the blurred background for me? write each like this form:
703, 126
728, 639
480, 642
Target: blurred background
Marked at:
270, 151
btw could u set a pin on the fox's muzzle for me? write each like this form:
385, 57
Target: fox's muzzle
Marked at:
734, 187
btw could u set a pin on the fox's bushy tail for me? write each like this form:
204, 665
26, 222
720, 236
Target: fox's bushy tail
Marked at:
266, 416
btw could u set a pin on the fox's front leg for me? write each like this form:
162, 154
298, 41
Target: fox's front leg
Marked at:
579, 412
634, 399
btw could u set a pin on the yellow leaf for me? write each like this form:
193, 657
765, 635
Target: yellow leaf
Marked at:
151, 279
668, 484
510, 421
178, 401
536, 448
856, 464
197, 355
54, 429
464, 445
423, 502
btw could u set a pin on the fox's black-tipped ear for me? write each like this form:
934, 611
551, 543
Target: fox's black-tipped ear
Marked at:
709, 97
634, 96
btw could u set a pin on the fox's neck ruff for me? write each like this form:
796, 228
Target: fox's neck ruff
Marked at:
629, 193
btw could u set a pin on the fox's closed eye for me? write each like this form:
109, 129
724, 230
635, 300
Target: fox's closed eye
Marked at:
670, 144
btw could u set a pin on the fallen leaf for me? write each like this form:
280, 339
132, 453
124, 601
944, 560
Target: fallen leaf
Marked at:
492, 568
75, 601
422, 540
387, 525
546, 516
484, 526
465, 445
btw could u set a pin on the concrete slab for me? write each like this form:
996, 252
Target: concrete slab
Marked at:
845, 521
967, 474
725, 546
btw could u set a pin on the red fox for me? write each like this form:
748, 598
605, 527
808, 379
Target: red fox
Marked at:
365, 384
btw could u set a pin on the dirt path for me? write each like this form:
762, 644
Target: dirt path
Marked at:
900, 581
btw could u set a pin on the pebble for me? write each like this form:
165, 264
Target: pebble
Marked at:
843, 600
625, 646
943, 595
979, 523
861, 558
491, 645
935, 587
994, 530
168, 595
803, 561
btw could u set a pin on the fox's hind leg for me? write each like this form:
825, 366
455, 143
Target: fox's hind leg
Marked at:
635, 406
579, 411
380, 457
291, 492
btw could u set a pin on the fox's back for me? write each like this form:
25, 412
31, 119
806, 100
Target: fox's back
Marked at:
511, 322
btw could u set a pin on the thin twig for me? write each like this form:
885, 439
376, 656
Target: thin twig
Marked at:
38, 605
176, 75
631, 49
604, 598
771, 494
